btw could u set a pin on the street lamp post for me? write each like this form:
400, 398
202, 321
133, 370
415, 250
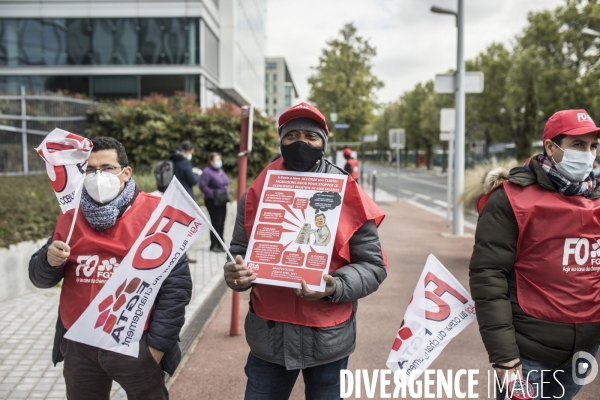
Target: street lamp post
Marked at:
459, 105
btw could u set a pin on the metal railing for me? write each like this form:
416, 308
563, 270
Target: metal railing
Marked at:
25, 120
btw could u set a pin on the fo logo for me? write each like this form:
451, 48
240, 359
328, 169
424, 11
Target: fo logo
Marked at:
113, 307
581, 117
87, 265
584, 368
582, 251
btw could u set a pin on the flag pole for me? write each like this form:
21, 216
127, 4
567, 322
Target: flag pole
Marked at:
78, 193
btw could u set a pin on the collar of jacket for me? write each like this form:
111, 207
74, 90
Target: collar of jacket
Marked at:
524, 176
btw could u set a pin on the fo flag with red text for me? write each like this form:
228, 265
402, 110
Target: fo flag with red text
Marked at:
66, 156
439, 310
116, 317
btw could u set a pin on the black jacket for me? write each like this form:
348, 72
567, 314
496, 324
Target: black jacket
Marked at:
507, 331
183, 172
166, 319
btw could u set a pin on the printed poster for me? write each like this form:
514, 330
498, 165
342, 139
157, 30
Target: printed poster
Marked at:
116, 318
438, 311
294, 231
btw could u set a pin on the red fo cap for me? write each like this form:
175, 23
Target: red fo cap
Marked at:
569, 122
303, 110
347, 151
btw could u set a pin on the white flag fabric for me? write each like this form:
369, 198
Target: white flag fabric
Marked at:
116, 318
438, 311
66, 156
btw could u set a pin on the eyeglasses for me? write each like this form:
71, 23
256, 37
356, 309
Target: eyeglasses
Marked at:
108, 168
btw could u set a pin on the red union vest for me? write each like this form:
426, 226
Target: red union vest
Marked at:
353, 162
94, 254
281, 304
557, 265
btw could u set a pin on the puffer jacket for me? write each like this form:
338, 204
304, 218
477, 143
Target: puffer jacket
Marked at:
184, 172
506, 330
168, 313
297, 346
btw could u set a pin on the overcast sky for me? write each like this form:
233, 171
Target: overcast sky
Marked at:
412, 43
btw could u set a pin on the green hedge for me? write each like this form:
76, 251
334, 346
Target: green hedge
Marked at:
28, 208
150, 128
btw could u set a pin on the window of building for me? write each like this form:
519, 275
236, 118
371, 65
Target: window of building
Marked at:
288, 96
161, 84
115, 87
99, 41
274, 89
274, 77
271, 65
274, 100
36, 84
210, 58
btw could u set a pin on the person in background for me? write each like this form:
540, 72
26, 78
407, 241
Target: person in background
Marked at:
214, 184
351, 166
182, 165
596, 169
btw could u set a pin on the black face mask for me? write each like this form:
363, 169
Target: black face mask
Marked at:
300, 156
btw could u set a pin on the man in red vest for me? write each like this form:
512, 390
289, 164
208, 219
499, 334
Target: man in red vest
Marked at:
535, 268
292, 330
351, 166
113, 213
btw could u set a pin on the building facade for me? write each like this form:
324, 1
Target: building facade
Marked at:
280, 91
130, 49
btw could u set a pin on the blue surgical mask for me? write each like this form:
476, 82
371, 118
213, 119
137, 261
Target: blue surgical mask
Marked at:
596, 172
218, 164
575, 165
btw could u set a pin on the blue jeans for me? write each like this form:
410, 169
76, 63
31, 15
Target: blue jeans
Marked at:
268, 381
552, 377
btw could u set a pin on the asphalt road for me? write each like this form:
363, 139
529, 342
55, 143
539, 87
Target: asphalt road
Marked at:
428, 188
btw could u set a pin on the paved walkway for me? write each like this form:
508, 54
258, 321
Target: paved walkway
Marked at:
27, 328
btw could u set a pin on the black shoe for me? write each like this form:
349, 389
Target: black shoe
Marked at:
217, 250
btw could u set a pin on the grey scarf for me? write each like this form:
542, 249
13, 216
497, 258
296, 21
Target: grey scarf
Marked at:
103, 216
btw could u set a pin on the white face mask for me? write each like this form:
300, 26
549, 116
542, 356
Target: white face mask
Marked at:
189, 156
575, 165
103, 187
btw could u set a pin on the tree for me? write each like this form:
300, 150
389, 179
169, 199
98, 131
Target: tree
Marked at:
343, 82
486, 116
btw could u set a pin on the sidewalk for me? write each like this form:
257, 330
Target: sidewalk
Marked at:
409, 234
27, 327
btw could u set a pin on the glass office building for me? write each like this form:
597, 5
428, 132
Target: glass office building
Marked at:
128, 49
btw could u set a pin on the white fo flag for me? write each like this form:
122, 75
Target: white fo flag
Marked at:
116, 318
438, 311
66, 156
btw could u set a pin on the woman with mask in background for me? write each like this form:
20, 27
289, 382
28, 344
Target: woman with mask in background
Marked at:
214, 184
